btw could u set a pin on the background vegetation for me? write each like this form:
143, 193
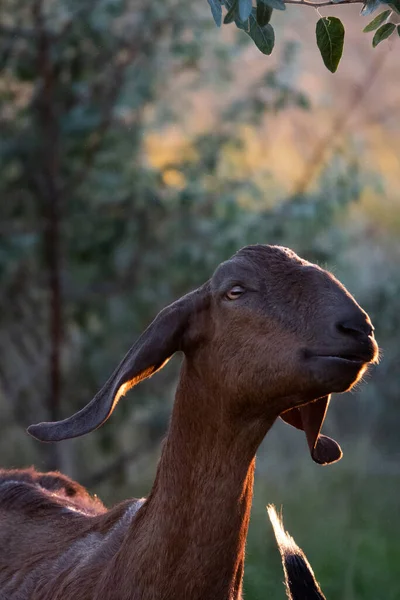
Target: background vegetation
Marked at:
139, 147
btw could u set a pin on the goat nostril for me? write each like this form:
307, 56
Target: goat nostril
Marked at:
355, 326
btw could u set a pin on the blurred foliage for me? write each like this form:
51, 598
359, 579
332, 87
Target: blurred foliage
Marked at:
110, 211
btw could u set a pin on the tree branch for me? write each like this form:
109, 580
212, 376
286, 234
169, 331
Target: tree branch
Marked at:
322, 4
50, 195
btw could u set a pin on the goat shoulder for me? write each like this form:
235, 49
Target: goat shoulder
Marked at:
55, 530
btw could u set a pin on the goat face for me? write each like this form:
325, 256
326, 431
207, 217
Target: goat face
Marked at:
284, 335
285, 329
274, 331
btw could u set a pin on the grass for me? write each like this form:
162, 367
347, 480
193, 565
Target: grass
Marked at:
346, 521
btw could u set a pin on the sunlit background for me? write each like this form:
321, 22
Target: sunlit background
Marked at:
139, 147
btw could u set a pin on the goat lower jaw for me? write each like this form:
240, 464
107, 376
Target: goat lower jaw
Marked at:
357, 363
334, 374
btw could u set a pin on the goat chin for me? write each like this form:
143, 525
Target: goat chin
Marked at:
249, 336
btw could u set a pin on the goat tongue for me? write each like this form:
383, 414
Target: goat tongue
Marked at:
310, 418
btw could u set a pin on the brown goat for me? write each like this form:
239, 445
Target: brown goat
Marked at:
269, 335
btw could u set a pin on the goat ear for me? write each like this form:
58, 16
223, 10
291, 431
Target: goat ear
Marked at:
310, 418
157, 344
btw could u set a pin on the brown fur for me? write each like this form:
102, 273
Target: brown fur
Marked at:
246, 361
53, 488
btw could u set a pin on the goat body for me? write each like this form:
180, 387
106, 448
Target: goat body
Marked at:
268, 335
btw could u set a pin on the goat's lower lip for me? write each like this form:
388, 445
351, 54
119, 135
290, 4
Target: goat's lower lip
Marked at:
355, 360
358, 355
345, 357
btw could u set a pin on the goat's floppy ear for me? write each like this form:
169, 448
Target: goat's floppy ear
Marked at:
310, 418
153, 349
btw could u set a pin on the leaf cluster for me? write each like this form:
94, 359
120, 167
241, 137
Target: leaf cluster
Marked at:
330, 31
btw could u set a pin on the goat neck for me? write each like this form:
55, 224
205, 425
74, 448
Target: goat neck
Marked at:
194, 524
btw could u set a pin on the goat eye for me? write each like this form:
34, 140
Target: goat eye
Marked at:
235, 292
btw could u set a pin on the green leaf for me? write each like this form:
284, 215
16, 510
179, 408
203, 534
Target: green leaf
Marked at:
231, 15
245, 7
377, 21
330, 41
383, 33
279, 4
263, 37
216, 11
263, 14
398, 29
374, 24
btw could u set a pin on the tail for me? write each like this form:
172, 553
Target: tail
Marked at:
299, 576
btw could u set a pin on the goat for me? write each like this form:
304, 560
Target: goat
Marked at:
269, 335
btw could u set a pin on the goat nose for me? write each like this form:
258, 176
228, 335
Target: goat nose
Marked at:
356, 326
